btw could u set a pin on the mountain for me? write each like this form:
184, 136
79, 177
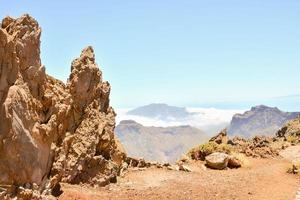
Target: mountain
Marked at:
157, 143
260, 120
161, 111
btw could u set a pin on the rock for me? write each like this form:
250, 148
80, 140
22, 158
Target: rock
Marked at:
221, 138
141, 163
237, 141
50, 130
182, 167
184, 158
217, 160
261, 146
290, 131
234, 162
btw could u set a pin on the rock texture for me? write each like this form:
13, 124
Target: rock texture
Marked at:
220, 138
50, 130
290, 131
260, 120
217, 160
258, 146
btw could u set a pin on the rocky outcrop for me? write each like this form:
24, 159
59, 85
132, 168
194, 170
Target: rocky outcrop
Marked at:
290, 131
49, 130
220, 138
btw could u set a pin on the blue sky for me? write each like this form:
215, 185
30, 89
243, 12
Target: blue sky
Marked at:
231, 53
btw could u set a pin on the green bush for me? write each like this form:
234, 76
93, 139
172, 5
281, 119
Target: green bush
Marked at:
203, 150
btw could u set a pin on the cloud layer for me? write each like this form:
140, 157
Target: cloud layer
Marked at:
209, 120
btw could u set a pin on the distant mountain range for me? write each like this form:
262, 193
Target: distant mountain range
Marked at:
161, 111
260, 120
158, 143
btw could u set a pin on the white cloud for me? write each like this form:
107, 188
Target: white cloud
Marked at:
209, 120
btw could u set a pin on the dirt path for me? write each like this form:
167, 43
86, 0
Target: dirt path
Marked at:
263, 179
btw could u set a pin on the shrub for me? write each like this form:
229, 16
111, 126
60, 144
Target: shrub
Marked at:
292, 139
203, 150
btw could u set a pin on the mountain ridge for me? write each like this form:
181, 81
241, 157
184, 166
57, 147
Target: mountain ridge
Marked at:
259, 120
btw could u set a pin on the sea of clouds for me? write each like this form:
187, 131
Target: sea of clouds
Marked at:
209, 120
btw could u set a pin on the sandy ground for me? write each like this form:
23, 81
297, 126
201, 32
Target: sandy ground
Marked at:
263, 179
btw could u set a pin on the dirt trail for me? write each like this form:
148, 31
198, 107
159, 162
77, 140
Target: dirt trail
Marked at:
262, 179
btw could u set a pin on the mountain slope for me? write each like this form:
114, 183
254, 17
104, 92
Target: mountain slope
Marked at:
260, 120
157, 143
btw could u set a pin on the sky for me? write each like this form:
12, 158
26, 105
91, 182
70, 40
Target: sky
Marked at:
194, 53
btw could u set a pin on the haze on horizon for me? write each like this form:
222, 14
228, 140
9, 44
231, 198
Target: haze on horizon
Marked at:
226, 54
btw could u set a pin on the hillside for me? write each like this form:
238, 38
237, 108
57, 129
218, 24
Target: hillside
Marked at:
260, 120
163, 144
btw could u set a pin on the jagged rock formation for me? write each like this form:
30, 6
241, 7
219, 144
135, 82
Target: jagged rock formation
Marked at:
50, 130
220, 138
260, 120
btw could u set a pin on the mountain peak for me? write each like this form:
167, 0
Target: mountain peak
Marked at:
263, 107
160, 110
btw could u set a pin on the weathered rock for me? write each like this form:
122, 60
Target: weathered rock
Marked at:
50, 130
182, 167
260, 146
217, 160
234, 162
290, 131
221, 138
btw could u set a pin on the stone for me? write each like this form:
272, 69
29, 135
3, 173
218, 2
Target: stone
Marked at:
182, 167
217, 160
221, 138
234, 162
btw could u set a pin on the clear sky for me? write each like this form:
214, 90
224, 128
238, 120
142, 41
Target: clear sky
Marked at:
187, 53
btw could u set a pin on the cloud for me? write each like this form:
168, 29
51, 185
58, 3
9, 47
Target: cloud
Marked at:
209, 120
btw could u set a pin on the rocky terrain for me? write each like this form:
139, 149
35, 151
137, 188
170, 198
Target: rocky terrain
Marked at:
57, 140
51, 132
261, 173
162, 144
260, 120
160, 111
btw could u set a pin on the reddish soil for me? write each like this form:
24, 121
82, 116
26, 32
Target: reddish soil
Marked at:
262, 179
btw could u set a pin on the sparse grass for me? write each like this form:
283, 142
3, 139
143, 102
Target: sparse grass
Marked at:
292, 139
208, 148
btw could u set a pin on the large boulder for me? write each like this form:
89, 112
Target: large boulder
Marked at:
217, 160
49, 130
